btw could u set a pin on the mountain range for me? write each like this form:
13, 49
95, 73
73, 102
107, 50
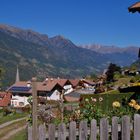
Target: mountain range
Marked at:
111, 49
38, 55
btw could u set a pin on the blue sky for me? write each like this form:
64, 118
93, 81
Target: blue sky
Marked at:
105, 22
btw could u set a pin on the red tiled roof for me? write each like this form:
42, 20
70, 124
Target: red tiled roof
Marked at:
52, 82
48, 85
74, 82
2, 94
89, 82
41, 86
6, 98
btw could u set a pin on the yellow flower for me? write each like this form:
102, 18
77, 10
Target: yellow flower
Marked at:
133, 102
137, 107
131, 105
116, 104
136, 84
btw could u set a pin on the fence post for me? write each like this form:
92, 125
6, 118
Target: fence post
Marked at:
115, 128
62, 132
136, 127
29, 133
125, 128
93, 130
42, 132
103, 129
72, 131
51, 132
83, 130
34, 109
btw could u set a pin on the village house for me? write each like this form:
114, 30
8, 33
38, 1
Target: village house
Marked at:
49, 89
62, 85
87, 84
21, 91
84, 87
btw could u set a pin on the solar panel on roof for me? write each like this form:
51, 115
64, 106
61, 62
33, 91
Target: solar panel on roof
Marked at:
20, 89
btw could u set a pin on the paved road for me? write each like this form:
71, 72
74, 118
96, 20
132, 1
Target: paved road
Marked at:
10, 122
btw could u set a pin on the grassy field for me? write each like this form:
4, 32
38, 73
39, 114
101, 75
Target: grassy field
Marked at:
11, 127
10, 117
22, 135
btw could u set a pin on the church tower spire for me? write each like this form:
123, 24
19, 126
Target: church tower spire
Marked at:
17, 75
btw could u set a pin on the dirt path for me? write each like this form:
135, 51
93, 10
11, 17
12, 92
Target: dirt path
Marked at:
10, 122
13, 132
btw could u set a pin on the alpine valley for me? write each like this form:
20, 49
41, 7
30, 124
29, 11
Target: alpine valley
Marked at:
38, 55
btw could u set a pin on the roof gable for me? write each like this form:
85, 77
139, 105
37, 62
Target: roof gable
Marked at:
135, 7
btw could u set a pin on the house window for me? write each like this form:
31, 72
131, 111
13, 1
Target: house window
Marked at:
21, 103
12, 102
15, 102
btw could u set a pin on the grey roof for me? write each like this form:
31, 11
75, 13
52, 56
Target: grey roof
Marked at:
77, 93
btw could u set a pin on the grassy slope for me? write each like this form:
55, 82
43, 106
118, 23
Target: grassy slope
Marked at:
7, 118
11, 127
22, 135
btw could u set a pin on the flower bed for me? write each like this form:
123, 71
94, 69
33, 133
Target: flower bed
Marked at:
104, 101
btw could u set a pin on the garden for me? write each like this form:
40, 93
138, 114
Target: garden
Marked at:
95, 106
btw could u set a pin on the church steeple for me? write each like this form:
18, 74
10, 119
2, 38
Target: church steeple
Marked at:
17, 75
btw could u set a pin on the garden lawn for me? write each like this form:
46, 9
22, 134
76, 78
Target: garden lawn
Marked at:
10, 117
22, 135
11, 127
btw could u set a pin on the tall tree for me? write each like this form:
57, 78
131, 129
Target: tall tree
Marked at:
112, 68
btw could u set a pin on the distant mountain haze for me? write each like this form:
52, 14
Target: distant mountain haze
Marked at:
111, 49
38, 55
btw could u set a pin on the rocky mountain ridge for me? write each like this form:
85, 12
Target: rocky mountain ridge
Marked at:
37, 54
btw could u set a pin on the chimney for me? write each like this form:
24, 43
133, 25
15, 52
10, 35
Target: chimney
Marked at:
28, 83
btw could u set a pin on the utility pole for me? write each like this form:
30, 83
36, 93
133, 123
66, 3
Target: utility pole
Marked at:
34, 109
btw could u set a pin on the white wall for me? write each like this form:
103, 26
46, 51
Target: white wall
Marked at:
54, 96
17, 100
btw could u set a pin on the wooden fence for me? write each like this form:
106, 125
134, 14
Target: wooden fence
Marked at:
120, 129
